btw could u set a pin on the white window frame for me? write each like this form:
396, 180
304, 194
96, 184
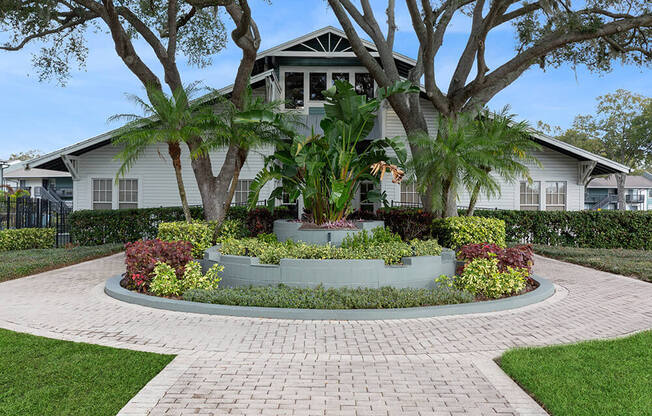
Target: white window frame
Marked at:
110, 201
238, 192
329, 70
411, 191
137, 202
361, 202
563, 206
535, 185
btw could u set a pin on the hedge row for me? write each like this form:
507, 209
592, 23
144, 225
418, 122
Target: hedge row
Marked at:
88, 227
587, 229
27, 238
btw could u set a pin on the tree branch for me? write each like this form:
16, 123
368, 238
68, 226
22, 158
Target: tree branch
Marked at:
45, 33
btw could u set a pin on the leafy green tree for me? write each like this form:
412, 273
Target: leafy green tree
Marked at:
465, 153
191, 28
619, 130
547, 33
327, 170
170, 119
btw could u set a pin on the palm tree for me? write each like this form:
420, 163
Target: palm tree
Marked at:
168, 119
465, 152
257, 123
510, 149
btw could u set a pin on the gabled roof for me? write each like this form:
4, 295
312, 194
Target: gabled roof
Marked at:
326, 42
52, 160
603, 165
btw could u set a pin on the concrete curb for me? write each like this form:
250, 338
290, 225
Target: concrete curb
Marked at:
545, 290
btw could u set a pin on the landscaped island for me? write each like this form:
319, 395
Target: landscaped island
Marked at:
245, 270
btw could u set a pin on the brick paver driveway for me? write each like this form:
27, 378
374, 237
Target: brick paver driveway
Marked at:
262, 366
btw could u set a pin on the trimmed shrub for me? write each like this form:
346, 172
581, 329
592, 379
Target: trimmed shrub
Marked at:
199, 234
408, 223
332, 298
518, 256
455, 232
88, 227
95, 227
142, 257
270, 252
232, 228
483, 278
166, 282
587, 229
27, 238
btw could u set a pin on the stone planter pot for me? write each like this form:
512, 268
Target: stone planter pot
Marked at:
290, 230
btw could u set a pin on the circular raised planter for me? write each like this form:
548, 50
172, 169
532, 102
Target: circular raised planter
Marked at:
544, 291
415, 272
292, 230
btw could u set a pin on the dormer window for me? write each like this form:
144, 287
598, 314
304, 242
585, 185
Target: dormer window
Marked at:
294, 90
304, 85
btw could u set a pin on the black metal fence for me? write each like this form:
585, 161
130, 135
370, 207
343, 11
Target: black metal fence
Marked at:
27, 212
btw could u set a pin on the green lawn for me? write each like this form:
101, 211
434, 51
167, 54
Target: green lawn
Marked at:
635, 263
14, 264
587, 379
42, 376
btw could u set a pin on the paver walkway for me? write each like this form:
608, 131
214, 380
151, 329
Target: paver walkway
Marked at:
227, 365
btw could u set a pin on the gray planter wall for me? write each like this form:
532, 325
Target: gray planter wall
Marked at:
416, 272
290, 230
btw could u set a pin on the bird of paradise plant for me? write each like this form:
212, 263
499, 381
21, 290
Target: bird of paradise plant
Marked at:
326, 170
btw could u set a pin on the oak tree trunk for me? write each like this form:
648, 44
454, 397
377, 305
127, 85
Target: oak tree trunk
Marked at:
620, 184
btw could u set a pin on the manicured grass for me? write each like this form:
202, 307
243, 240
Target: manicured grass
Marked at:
42, 376
587, 379
635, 263
19, 263
322, 298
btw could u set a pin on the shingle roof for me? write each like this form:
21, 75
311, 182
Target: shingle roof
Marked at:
632, 181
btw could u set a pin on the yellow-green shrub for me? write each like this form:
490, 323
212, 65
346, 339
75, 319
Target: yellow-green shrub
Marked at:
198, 233
166, 283
455, 232
482, 277
27, 238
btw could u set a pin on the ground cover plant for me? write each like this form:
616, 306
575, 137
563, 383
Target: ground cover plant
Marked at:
42, 376
380, 244
331, 298
590, 378
634, 263
14, 264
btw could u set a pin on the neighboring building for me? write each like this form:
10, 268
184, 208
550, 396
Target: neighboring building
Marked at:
296, 72
54, 185
602, 193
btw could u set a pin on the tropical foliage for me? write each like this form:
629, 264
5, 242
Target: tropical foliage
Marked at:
326, 170
464, 153
170, 119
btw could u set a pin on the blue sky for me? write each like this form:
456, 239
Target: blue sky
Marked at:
45, 116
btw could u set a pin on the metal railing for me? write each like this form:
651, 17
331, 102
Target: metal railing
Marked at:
25, 212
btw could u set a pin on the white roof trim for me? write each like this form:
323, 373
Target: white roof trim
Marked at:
109, 134
278, 50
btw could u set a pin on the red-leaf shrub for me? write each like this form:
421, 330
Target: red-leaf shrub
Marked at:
408, 223
261, 220
143, 255
518, 256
